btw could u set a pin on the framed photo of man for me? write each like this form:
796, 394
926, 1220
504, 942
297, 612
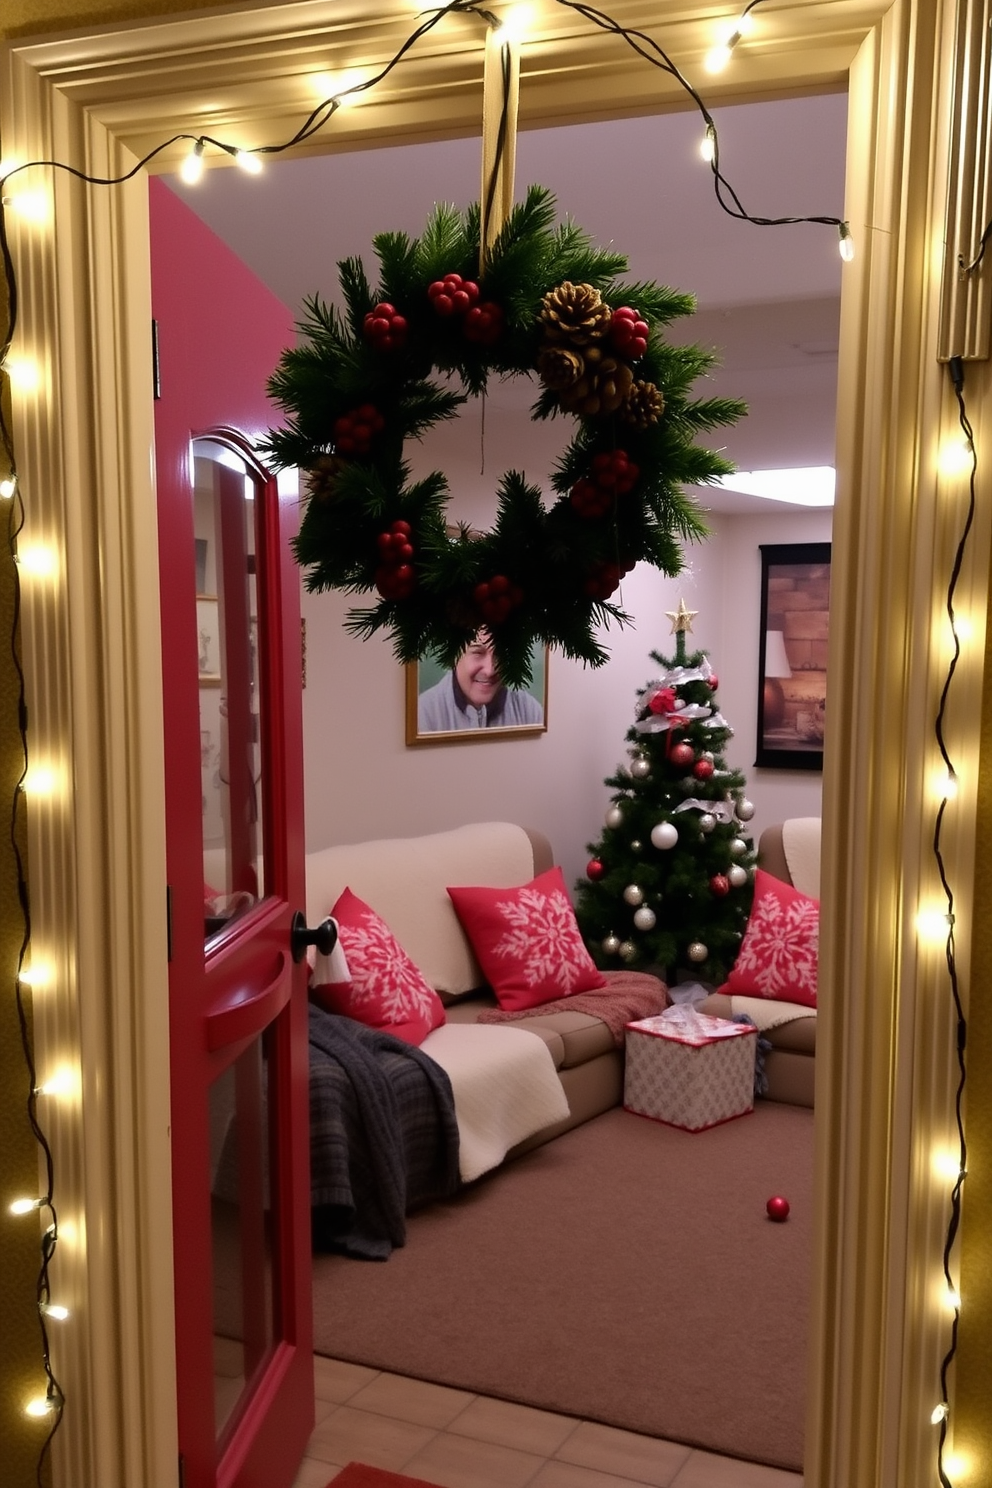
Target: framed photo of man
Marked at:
468, 702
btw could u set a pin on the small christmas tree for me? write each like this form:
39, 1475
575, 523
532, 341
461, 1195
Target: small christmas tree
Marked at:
670, 884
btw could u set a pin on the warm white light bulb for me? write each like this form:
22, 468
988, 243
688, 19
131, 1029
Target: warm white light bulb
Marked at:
38, 974
62, 1082
192, 167
9, 164
932, 925
40, 781
846, 244
34, 205
341, 85
24, 373
707, 148
952, 1299
955, 457
52, 1310
940, 1413
945, 785
515, 24
39, 1406
717, 58
8, 487
37, 560
25, 1206
955, 1465
947, 1164
248, 161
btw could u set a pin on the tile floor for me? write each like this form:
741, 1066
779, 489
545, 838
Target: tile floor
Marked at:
459, 1440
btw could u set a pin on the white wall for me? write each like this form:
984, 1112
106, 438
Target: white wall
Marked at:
363, 782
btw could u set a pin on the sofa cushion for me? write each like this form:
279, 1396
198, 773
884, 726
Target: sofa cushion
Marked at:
527, 940
778, 958
385, 989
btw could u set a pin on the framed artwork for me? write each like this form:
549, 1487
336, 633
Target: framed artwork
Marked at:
208, 639
792, 655
468, 703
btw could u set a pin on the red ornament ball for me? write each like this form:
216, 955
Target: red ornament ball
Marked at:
777, 1208
682, 755
713, 681
594, 870
703, 769
719, 885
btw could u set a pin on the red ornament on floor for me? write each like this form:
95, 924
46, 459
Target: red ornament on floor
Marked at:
778, 1208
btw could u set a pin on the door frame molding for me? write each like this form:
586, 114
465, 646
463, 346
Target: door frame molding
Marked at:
92, 654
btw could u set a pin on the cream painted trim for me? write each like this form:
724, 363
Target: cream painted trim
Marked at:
97, 864
97, 851
885, 1067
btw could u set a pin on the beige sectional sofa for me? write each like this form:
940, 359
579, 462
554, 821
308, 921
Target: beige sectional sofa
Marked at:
405, 880
790, 851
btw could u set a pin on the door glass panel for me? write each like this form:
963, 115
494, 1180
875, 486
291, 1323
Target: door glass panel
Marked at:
244, 1237
227, 612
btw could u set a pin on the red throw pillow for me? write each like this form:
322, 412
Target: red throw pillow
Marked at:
778, 958
528, 941
386, 990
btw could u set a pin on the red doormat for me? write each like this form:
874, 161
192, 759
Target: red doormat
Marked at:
358, 1475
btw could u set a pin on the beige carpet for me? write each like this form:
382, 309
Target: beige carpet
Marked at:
626, 1273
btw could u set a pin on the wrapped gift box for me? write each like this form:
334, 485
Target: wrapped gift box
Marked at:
689, 1070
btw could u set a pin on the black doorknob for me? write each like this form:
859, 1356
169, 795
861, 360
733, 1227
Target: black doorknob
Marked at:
325, 937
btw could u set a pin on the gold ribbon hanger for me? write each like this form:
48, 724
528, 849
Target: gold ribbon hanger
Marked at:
500, 91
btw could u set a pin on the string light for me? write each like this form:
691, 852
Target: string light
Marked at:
65, 1081
707, 148
846, 244
952, 1299
248, 162
26, 1206
54, 1310
955, 458
515, 25
38, 560
717, 57
932, 925
38, 974
191, 169
939, 1413
7, 487
40, 781
24, 373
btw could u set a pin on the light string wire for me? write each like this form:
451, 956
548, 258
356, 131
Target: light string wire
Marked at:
319, 116
956, 371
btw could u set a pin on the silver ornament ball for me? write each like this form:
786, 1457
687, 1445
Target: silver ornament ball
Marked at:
745, 810
738, 847
664, 835
707, 822
634, 894
640, 768
611, 945
628, 950
644, 918
637, 846
697, 951
737, 875
614, 816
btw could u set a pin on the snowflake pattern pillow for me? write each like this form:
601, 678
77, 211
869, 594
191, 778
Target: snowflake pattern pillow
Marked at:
385, 989
527, 941
778, 958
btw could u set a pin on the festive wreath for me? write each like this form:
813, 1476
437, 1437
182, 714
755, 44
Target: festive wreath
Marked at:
548, 305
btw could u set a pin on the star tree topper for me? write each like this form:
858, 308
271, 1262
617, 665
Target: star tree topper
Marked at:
681, 625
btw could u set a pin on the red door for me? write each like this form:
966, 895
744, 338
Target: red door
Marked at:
235, 846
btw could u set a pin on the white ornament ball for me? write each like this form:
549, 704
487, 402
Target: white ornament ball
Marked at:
738, 847
628, 950
707, 822
644, 918
640, 768
745, 810
697, 951
611, 945
707, 754
737, 875
634, 894
614, 817
664, 835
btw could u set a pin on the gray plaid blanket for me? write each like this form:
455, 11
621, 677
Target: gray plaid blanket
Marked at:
383, 1136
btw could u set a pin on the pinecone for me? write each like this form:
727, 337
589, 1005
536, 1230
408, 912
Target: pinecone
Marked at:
574, 315
644, 405
603, 387
322, 474
559, 368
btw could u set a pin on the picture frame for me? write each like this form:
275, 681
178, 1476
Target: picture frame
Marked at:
208, 640
422, 677
792, 655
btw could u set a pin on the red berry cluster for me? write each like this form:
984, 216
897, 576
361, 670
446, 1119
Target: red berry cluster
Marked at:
453, 295
395, 578
354, 431
613, 474
482, 321
385, 327
603, 578
629, 333
497, 596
